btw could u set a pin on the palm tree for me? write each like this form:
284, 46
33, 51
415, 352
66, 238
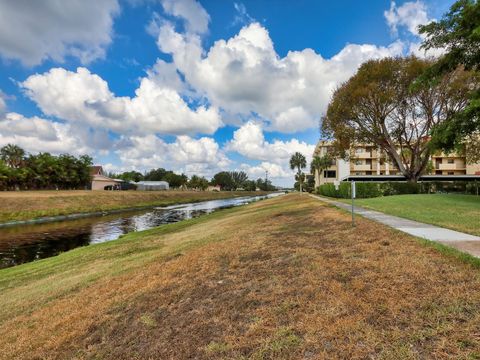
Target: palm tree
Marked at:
320, 163
12, 155
298, 161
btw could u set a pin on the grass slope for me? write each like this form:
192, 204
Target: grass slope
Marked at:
285, 278
25, 205
457, 212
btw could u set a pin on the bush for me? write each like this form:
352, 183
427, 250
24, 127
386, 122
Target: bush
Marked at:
364, 190
375, 189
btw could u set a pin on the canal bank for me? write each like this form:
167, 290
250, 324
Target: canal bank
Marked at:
19, 206
283, 278
36, 240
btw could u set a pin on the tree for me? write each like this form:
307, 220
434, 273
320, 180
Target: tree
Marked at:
224, 180
13, 155
156, 174
197, 182
298, 161
458, 34
380, 105
238, 178
131, 176
250, 185
175, 180
319, 164
43, 170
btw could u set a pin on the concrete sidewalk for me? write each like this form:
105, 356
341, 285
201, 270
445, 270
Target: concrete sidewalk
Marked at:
461, 241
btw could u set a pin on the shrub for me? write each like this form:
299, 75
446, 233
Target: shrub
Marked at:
375, 189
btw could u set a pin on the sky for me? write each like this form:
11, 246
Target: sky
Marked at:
192, 86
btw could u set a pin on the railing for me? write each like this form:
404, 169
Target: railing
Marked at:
362, 167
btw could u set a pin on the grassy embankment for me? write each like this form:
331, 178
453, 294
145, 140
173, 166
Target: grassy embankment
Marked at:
286, 278
25, 205
453, 211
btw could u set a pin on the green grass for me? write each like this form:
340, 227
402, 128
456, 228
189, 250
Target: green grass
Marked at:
453, 211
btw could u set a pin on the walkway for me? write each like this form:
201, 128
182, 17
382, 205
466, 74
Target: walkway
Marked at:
461, 241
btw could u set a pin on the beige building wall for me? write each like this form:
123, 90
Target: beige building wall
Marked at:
367, 159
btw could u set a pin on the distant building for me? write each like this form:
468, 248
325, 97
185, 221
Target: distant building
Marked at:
368, 162
214, 188
100, 181
152, 185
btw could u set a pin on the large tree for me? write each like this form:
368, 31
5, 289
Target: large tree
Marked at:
239, 178
224, 180
458, 35
383, 105
298, 161
13, 155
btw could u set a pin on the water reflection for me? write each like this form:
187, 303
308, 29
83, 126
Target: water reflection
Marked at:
21, 244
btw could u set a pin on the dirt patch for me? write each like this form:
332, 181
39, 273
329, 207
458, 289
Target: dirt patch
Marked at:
295, 282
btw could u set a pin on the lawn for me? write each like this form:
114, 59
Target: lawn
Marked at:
457, 212
25, 205
285, 278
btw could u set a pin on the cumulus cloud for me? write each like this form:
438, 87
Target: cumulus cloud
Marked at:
201, 156
39, 135
195, 16
83, 97
265, 168
409, 15
249, 141
33, 31
244, 75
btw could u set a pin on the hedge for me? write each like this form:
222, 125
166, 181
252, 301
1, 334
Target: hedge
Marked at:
375, 189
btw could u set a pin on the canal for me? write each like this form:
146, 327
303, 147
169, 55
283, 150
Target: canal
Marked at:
25, 243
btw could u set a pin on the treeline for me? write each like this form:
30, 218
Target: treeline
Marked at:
227, 180
22, 171
43, 171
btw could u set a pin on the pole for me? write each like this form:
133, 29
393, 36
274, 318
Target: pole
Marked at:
352, 191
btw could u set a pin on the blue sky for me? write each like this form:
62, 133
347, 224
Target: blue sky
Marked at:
196, 87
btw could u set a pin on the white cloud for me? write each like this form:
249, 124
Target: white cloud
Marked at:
192, 156
409, 15
242, 16
244, 75
3, 105
250, 142
84, 98
39, 135
33, 31
274, 156
265, 168
195, 16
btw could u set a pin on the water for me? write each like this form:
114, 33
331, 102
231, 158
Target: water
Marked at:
25, 243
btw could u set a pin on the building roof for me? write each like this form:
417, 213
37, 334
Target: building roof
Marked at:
151, 183
96, 170
97, 177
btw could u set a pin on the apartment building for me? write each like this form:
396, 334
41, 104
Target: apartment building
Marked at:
367, 160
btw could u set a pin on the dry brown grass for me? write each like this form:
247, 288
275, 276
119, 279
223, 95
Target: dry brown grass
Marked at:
23, 205
286, 278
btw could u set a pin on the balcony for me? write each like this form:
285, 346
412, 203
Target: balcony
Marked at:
450, 167
362, 167
364, 155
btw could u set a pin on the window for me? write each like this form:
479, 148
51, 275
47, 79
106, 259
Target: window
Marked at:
451, 161
451, 173
358, 162
329, 174
358, 150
